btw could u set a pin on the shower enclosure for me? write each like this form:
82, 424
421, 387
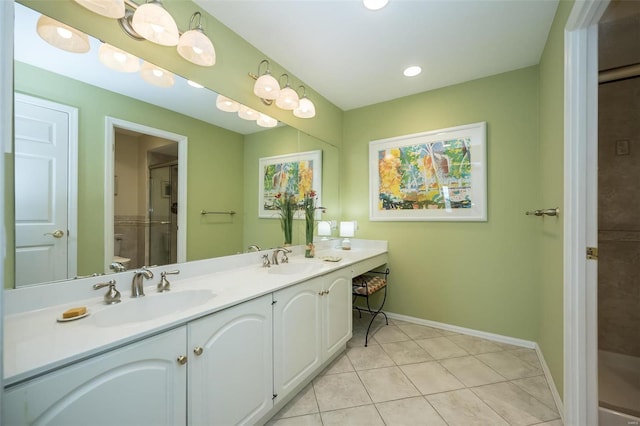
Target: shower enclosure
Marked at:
163, 227
619, 216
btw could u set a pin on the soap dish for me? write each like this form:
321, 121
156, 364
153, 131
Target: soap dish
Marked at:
61, 319
331, 258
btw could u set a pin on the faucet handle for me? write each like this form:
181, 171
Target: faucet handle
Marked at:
265, 261
112, 296
164, 285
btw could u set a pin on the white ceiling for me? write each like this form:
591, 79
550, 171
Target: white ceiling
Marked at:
355, 57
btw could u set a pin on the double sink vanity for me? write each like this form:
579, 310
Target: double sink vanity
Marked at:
231, 342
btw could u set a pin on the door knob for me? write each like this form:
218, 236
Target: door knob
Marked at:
182, 360
198, 350
58, 233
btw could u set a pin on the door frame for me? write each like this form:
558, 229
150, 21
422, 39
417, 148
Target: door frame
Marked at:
72, 175
110, 137
580, 207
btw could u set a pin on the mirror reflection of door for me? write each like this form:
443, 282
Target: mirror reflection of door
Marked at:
145, 188
45, 173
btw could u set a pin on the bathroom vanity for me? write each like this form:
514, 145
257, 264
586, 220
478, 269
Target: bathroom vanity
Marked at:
231, 343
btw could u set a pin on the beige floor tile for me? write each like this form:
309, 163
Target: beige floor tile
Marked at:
464, 408
417, 331
336, 391
358, 416
557, 422
409, 412
406, 352
303, 403
470, 371
527, 355
441, 347
340, 365
515, 405
372, 356
389, 334
386, 384
509, 365
357, 338
474, 345
539, 388
431, 377
308, 420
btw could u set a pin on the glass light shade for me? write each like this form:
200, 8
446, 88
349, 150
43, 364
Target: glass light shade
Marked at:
247, 113
266, 121
324, 228
117, 59
266, 87
347, 229
288, 99
194, 84
109, 8
195, 46
375, 4
156, 75
154, 23
306, 108
62, 36
225, 104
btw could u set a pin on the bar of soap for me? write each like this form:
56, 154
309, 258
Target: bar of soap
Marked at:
74, 312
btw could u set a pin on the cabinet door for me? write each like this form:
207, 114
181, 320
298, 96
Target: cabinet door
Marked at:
140, 384
297, 334
231, 381
336, 308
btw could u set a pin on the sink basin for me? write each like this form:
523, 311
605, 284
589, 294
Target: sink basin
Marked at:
150, 307
295, 268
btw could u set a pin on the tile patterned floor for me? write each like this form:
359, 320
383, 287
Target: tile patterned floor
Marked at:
416, 375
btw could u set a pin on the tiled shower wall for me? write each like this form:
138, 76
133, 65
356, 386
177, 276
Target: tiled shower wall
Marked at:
619, 217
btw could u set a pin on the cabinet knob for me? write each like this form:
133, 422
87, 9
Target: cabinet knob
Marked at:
198, 350
182, 360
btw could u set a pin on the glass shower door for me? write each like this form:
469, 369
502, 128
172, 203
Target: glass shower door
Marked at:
162, 229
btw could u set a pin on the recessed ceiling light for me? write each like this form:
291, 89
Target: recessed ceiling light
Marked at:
375, 4
412, 71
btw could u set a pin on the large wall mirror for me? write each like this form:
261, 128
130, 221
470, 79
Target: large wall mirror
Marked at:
139, 202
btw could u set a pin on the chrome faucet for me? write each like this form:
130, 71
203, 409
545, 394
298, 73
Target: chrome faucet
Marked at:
253, 247
137, 289
274, 256
117, 267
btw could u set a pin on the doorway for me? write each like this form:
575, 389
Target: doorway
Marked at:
145, 218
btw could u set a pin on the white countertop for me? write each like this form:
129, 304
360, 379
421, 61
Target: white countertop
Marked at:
35, 342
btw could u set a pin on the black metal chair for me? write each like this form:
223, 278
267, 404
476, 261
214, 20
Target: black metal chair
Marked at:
365, 286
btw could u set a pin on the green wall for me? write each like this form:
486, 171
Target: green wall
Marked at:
550, 230
214, 161
480, 275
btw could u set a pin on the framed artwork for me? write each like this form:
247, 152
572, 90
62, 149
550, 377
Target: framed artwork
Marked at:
296, 174
165, 188
439, 175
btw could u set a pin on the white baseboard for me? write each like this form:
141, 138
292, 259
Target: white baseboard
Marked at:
496, 338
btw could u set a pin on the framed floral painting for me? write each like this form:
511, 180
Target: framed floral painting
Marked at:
293, 175
437, 175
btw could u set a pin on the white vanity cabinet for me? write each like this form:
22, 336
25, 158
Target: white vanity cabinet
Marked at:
139, 384
311, 321
231, 364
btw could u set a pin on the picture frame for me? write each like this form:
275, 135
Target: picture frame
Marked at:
165, 189
438, 175
296, 173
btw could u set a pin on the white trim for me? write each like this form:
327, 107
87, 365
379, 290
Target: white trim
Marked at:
110, 124
496, 338
468, 331
72, 174
580, 314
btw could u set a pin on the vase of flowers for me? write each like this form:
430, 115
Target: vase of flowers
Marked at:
286, 205
309, 208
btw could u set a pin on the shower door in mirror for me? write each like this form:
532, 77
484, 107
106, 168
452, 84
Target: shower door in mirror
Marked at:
163, 208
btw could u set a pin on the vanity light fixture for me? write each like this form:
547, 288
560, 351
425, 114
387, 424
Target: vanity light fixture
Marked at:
247, 113
195, 46
347, 230
266, 121
117, 59
266, 86
324, 229
108, 8
152, 21
225, 104
306, 108
288, 98
62, 36
156, 75
375, 4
